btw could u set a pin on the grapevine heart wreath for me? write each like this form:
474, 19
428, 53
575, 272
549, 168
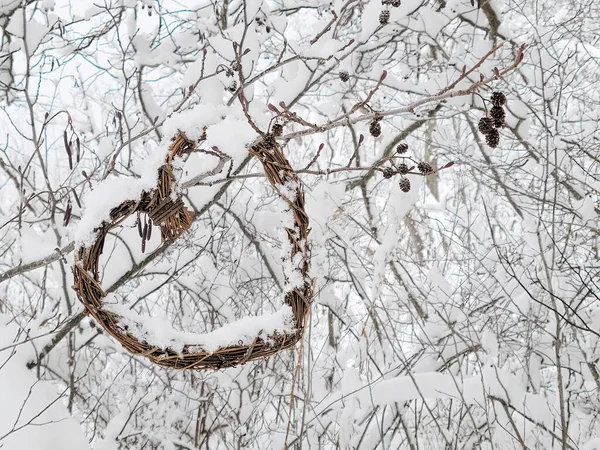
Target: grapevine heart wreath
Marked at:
165, 209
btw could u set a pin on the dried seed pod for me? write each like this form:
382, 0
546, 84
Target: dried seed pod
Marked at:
402, 169
68, 211
498, 98
76, 198
499, 123
404, 184
68, 149
145, 231
384, 17
232, 87
375, 128
388, 172
78, 148
425, 168
486, 125
344, 76
395, 3
493, 138
402, 148
497, 114
277, 129
139, 226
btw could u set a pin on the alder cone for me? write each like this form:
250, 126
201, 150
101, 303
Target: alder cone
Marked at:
404, 184
402, 148
384, 17
375, 128
425, 168
402, 169
486, 125
269, 141
498, 98
493, 138
388, 172
497, 114
344, 76
277, 129
232, 87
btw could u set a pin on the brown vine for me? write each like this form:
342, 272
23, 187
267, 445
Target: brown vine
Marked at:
174, 218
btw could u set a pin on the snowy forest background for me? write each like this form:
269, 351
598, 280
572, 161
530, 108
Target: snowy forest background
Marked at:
463, 314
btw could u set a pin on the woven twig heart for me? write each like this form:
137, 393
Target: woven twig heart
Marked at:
173, 219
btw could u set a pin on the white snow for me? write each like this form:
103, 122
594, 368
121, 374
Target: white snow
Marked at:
32, 415
115, 190
34, 32
158, 331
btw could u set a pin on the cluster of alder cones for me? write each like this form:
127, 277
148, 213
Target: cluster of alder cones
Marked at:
490, 124
402, 168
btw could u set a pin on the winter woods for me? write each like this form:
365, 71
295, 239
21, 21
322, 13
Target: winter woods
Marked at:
447, 154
